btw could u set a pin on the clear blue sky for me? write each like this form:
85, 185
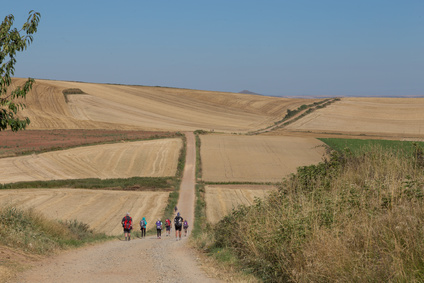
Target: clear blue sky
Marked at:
272, 47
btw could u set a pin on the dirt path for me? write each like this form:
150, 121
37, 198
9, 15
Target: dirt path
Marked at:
149, 259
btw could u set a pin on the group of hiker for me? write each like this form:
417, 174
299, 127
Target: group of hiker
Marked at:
179, 224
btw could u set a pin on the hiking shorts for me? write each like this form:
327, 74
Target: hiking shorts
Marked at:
168, 228
127, 230
178, 228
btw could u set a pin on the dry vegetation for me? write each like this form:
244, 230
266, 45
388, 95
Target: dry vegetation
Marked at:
348, 219
102, 209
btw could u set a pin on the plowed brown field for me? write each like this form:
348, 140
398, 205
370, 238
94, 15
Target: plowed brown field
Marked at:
234, 158
101, 209
155, 158
221, 199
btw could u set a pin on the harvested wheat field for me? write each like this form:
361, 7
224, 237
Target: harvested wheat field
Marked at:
235, 158
388, 117
221, 199
101, 209
125, 107
153, 158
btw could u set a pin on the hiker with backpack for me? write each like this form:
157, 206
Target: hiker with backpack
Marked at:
127, 225
143, 224
178, 223
168, 227
159, 228
185, 226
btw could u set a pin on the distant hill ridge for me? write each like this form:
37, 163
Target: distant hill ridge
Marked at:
249, 92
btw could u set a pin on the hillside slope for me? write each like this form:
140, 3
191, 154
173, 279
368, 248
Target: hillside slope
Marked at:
108, 106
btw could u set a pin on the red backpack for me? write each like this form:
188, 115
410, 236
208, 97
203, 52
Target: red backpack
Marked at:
168, 222
128, 222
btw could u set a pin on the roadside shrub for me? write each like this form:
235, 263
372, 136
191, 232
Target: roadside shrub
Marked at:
349, 218
29, 231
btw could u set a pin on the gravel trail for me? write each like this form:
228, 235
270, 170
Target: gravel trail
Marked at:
149, 259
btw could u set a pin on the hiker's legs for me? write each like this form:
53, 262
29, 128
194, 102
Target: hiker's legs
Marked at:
143, 232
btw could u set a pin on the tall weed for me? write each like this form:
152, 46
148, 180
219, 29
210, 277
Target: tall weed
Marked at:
349, 218
29, 231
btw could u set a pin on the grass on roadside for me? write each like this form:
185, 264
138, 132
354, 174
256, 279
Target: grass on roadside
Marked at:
29, 231
352, 218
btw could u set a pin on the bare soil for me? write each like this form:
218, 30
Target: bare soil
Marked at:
34, 141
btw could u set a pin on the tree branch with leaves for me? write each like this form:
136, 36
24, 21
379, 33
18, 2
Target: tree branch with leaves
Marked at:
12, 41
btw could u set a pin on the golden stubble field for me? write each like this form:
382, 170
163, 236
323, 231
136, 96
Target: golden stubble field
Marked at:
222, 199
109, 106
398, 118
236, 158
226, 158
152, 158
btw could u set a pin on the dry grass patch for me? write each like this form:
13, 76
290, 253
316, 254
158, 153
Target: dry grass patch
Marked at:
102, 210
231, 158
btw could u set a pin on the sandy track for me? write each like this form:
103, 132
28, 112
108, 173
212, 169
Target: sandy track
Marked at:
227, 158
149, 259
397, 117
222, 199
154, 158
101, 209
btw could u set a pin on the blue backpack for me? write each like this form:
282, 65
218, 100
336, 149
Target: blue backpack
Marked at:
143, 224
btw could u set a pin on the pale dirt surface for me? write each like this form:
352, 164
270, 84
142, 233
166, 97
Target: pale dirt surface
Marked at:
153, 158
150, 108
390, 117
230, 158
148, 260
103, 210
222, 199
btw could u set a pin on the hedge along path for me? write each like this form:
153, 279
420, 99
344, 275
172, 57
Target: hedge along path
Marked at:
221, 199
152, 158
236, 158
101, 209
